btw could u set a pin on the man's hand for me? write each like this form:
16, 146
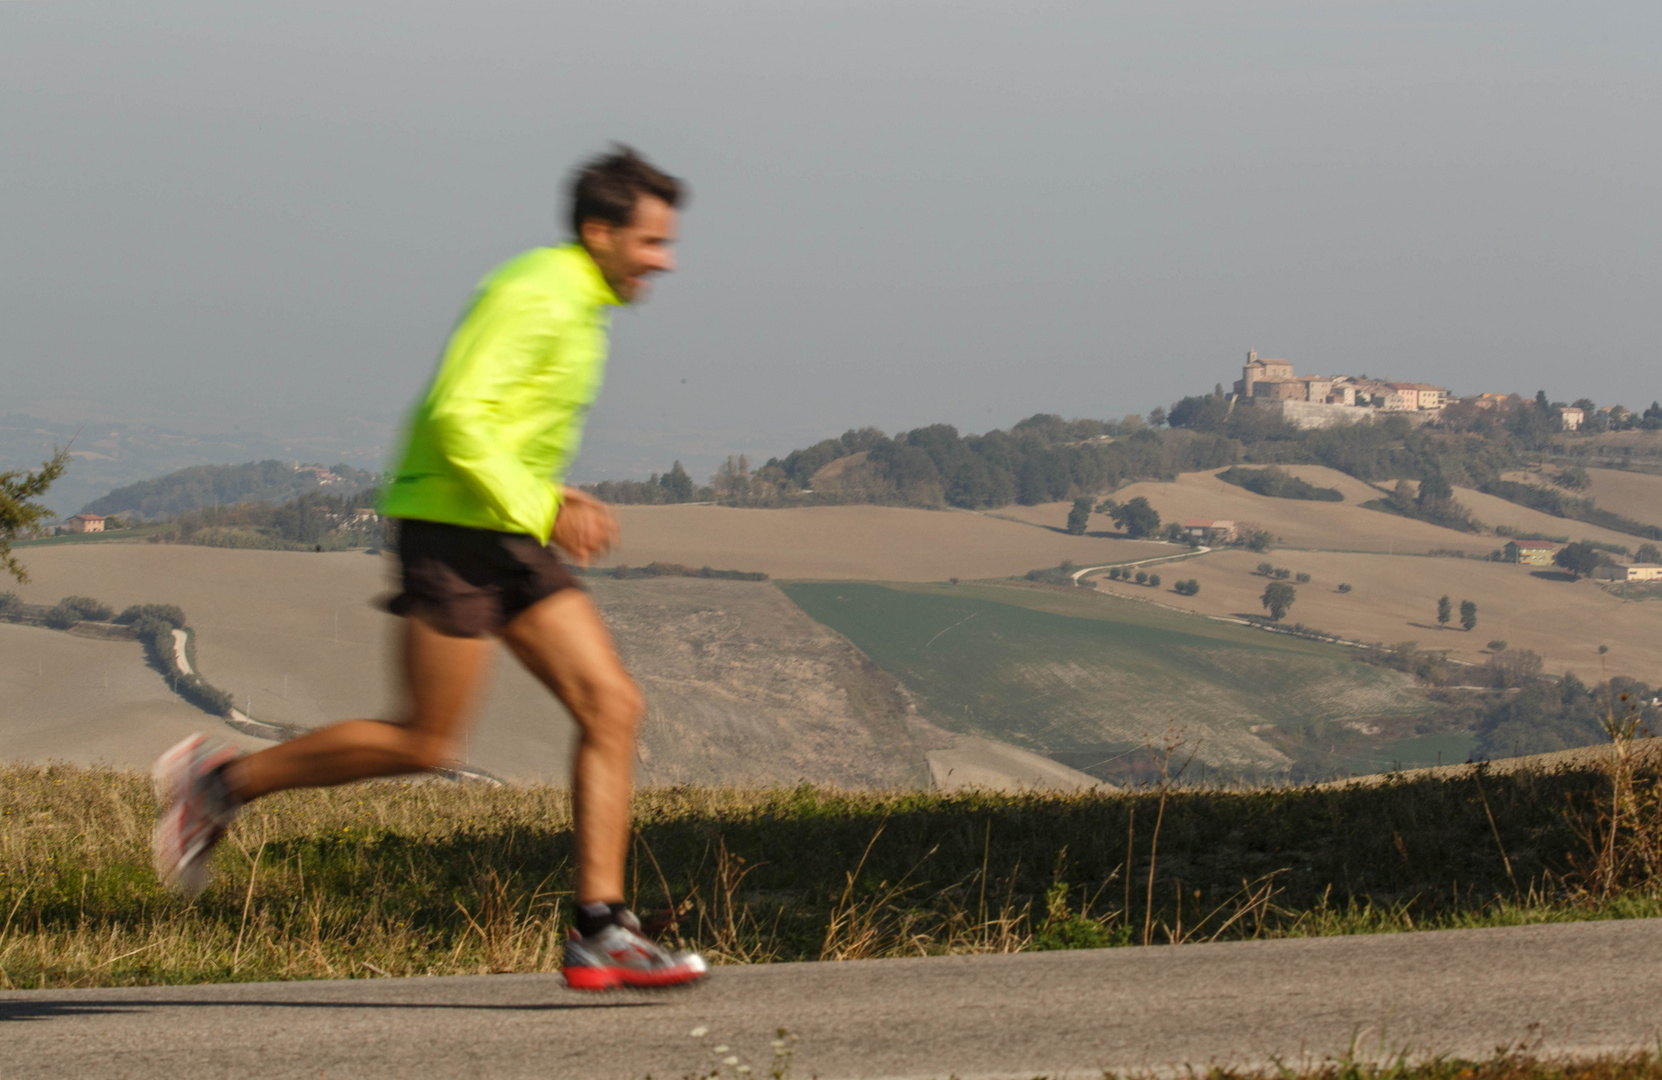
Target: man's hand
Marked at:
584, 527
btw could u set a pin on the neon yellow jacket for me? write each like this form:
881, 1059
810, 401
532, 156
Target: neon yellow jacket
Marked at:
501, 420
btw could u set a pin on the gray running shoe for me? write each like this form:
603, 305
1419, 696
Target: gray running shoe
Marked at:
621, 955
195, 812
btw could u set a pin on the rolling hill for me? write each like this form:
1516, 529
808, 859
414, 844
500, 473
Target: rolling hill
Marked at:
1093, 682
872, 543
742, 687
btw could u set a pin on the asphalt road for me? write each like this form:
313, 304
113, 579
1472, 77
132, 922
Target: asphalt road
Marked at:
1572, 989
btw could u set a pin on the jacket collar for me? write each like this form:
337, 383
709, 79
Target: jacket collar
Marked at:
595, 287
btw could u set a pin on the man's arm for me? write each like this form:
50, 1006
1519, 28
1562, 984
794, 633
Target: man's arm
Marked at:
507, 331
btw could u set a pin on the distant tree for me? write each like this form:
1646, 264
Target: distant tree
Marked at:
1278, 597
1344, 586
1444, 610
1136, 517
1579, 558
1080, 515
18, 510
1468, 615
1282, 573
677, 483
1154, 581
1648, 553
1142, 576
1174, 532
1114, 573
1157, 416
1302, 578
1266, 569
1209, 413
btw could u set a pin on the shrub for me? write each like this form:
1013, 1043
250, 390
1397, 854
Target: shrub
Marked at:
1114, 573
1344, 586
1282, 573
1142, 576
1154, 581
1278, 484
168, 613
1186, 588
73, 609
1497, 645
1266, 569
1303, 578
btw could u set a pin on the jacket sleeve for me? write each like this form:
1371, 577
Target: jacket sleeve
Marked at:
507, 331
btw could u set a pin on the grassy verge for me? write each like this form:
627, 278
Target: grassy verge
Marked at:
434, 878
139, 532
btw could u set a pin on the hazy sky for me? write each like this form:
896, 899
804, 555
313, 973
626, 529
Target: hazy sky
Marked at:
903, 213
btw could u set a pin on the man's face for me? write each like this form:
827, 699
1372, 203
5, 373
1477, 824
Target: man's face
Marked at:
630, 254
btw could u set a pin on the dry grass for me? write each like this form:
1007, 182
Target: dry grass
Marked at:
1341, 526
433, 878
859, 543
1395, 599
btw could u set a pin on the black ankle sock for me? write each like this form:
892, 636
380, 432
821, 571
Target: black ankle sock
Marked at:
593, 918
219, 788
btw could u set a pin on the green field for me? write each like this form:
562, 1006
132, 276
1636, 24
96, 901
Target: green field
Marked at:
1091, 681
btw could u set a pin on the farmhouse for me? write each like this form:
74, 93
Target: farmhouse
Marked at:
85, 523
1641, 572
1531, 552
1208, 531
1573, 418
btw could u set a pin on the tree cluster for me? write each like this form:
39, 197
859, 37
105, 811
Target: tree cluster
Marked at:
1278, 484
206, 487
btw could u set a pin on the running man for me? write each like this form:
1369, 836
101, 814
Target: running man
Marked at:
480, 510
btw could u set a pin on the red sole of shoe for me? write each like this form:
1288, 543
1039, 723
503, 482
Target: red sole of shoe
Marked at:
591, 978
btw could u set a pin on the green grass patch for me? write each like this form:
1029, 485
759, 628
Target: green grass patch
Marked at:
1090, 680
1448, 748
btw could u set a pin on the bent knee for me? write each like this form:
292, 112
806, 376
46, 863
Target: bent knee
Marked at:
615, 705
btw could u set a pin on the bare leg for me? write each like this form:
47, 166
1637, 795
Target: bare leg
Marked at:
442, 678
564, 643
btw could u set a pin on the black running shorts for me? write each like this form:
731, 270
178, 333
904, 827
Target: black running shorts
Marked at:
468, 582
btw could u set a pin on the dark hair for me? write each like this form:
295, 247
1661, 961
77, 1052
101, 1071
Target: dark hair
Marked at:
606, 188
